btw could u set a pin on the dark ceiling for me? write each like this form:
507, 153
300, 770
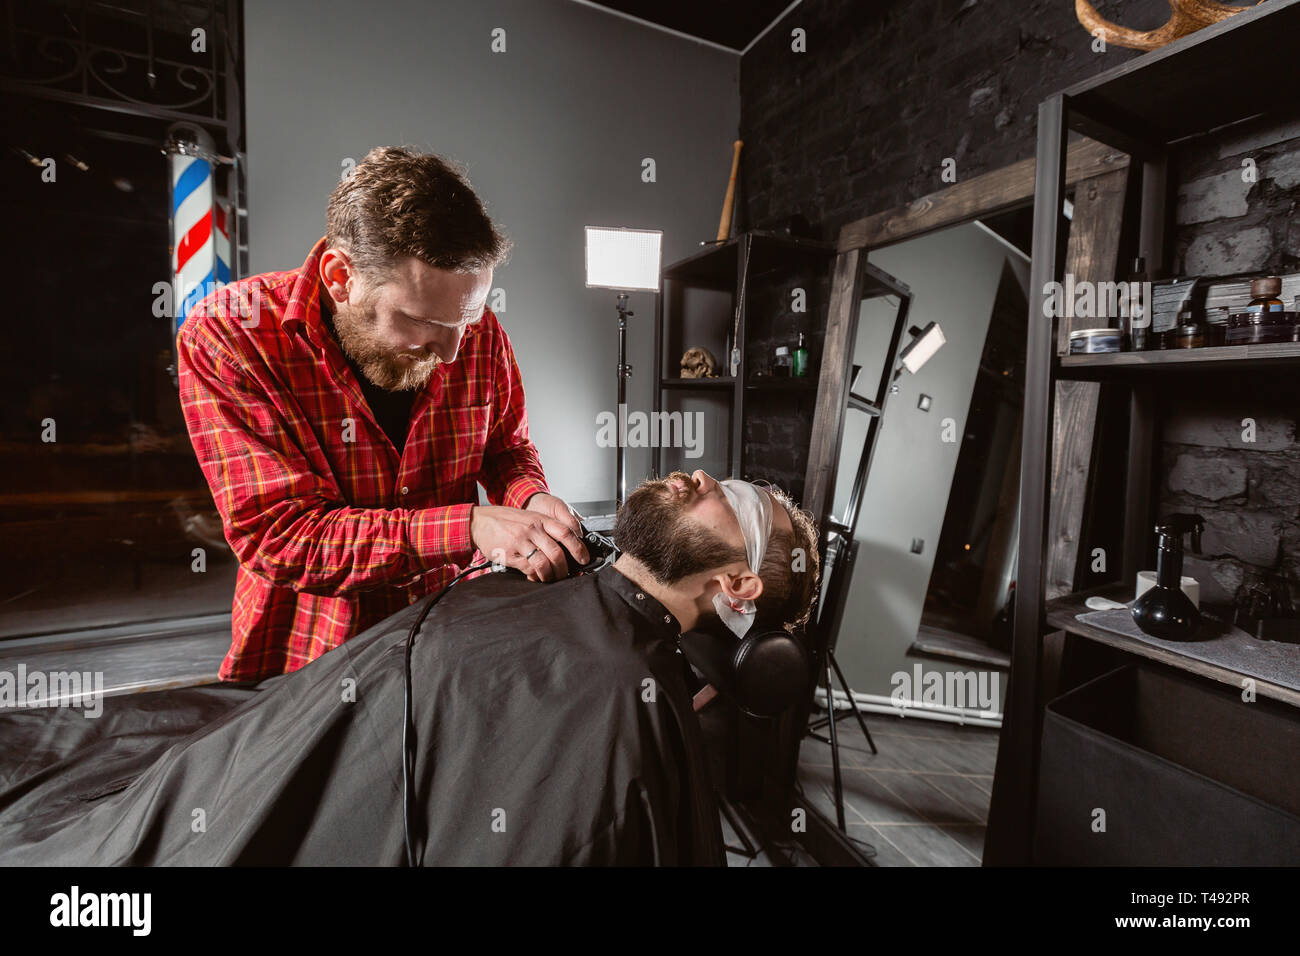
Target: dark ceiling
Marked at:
732, 23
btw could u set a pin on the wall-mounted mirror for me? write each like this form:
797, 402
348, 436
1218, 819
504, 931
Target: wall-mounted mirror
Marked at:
929, 565
879, 328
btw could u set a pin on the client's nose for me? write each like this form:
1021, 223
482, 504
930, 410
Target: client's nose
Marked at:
704, 482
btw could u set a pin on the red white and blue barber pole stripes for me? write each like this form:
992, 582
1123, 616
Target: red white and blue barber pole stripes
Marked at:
201, 223
194, 255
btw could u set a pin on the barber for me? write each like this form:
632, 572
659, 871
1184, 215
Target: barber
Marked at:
344, 413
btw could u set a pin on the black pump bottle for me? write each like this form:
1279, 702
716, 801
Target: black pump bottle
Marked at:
1165, 611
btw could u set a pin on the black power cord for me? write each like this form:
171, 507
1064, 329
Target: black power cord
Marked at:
601, 550
408, 731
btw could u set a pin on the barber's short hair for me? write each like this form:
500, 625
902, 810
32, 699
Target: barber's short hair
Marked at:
400, 202
791, 568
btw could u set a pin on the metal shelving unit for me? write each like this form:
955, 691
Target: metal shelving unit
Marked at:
1149, 104
733, 266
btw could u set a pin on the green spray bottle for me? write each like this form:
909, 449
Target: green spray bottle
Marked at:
800, 359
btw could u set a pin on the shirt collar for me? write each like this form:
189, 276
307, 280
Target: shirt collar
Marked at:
641, 601
303, 309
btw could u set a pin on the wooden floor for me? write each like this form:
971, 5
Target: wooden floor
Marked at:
923, 800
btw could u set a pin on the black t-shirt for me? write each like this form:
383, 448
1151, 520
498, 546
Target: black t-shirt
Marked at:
392, 410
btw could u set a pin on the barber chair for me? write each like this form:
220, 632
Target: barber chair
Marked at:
756, 679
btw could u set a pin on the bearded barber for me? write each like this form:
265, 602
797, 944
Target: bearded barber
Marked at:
343, 414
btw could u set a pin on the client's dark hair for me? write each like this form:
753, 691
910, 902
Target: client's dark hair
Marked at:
649, 529
791, 568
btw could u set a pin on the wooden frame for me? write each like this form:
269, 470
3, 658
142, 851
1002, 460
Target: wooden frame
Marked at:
986, 195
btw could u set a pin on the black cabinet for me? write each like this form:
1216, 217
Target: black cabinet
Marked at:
1145, 767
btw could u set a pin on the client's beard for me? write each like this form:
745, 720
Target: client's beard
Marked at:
355, 328
653, 527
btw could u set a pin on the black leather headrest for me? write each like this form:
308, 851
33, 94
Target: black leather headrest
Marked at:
763, 674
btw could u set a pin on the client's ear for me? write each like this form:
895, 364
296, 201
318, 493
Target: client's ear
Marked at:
740, 586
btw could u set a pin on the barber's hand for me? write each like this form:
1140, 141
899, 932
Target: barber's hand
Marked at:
553, 507
525, 539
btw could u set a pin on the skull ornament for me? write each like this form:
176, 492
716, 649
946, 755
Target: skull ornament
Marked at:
699, 363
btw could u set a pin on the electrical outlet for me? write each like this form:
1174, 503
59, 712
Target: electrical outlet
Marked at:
918, 545
923, 403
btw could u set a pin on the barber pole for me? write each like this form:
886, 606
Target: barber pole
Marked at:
191, 155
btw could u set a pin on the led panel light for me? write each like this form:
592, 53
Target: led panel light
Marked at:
626, 259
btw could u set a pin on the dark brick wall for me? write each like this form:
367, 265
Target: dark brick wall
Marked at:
863, 120
1245, 483
778, 424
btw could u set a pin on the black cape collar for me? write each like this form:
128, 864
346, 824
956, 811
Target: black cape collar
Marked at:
641, 601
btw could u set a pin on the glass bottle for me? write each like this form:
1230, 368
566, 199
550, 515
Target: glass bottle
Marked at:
800, 369
1265, 291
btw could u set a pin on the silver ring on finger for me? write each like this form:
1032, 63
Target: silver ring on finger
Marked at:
531, 553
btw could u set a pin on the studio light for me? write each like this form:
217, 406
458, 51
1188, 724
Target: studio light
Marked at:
625, 260
921, 349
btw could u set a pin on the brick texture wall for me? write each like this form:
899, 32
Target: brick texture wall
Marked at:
1237, 197
887, 90
863, 120
1246, 484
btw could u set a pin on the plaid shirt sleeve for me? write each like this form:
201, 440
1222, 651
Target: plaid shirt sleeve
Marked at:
285, 521
512, 468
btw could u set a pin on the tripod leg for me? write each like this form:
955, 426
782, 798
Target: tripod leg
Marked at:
830, 657
835, 748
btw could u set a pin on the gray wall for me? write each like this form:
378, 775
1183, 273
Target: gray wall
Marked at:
553, 132
953, 275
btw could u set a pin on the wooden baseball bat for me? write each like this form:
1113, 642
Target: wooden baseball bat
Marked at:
724, 224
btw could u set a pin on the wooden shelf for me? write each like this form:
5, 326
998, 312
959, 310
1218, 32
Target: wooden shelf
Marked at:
860, 404
1060, 615
711, 383
1224, 358
773, 384
715, 267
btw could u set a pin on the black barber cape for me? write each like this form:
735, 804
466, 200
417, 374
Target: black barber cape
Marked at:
553, 725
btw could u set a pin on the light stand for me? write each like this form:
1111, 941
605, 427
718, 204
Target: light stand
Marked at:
624, 372
625, 260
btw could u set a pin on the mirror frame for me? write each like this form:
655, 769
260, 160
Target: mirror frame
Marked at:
989, 194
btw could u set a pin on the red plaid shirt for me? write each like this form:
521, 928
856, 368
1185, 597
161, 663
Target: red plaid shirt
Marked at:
333, 530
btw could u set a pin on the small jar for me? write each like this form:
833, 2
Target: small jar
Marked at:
1216, 325
1265, 291
1094, 341
1258, 327
1189, 336
782, 364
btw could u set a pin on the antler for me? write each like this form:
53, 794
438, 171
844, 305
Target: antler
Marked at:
1185, 16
